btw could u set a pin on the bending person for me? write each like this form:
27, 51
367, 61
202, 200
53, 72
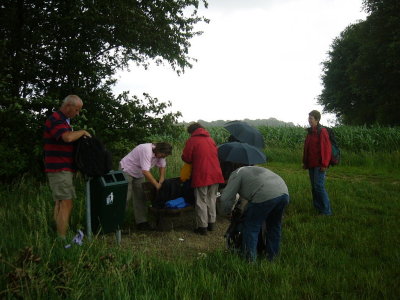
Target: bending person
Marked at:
267, 196
136, 166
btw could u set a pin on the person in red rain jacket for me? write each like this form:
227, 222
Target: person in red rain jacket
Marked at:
201, 152
316, 158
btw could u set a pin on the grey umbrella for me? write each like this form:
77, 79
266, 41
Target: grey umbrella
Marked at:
243, 132
241, 153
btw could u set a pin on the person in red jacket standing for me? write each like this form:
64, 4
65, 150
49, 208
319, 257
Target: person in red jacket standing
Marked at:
316, 158
201, 152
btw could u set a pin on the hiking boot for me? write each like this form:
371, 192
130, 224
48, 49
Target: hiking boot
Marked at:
210, 227
201, 230
144, 226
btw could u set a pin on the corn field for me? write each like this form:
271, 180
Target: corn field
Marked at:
350, 138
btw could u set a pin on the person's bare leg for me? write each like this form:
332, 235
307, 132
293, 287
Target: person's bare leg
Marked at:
56, 209
62, 213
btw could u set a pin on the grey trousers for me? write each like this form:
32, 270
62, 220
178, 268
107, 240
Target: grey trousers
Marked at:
136, 196
205, 209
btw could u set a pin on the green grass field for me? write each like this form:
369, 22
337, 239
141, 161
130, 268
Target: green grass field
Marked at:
353, 254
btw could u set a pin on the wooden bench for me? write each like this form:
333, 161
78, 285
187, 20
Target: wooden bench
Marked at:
165, 217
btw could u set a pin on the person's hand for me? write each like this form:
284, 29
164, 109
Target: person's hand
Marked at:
158, 185
218, 199
85, 133
322, 169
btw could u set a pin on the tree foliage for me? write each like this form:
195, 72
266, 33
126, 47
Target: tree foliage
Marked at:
361, 75
52, 48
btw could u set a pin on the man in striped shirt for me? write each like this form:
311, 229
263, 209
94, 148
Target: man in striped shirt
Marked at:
59, 159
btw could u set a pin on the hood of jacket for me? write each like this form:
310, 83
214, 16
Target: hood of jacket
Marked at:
200, 132
310, 129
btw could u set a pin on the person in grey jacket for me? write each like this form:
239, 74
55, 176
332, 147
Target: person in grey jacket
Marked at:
267, 196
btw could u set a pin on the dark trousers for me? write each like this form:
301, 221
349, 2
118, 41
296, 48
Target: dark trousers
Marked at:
271, 211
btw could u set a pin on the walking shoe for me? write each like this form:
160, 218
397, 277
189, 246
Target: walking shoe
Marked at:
201, 230
144, 226
210, 227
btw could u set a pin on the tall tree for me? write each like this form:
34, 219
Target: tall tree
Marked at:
361, 75
52, 48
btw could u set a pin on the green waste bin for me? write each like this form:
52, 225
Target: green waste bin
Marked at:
108, 201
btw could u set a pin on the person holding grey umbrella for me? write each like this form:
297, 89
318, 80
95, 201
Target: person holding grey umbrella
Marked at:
267, 196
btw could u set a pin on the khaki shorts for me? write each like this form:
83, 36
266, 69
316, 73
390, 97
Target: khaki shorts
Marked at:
62, 185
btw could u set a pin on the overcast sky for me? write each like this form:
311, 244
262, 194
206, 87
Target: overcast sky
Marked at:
257, 59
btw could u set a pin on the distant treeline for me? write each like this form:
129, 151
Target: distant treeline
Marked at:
272, 122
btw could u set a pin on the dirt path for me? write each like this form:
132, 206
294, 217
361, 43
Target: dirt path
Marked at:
178, 242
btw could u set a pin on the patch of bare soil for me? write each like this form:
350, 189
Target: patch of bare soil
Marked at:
177, 239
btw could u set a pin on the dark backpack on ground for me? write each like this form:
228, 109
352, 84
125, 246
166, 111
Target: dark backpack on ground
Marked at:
170, 190
234, 234
91, 157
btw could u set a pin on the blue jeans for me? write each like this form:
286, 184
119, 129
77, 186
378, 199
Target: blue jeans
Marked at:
271, 212
319, 194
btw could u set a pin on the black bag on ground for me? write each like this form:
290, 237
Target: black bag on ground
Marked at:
234, 233
188, 192
91, 157
170, 190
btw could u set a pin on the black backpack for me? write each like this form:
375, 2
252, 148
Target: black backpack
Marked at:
91, 157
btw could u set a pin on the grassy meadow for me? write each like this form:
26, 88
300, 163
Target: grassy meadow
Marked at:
353, 254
